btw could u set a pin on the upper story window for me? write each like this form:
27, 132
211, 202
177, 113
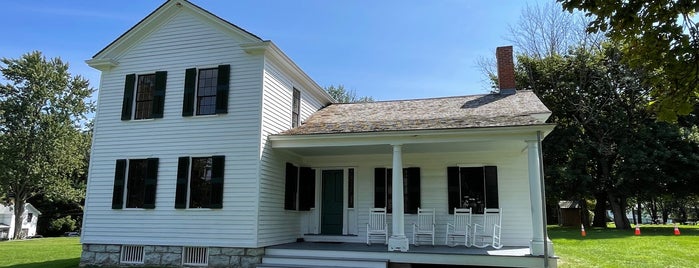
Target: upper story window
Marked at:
206, 91
144, 96
135, 188
296, 108
472, 187
30, 216
200, 182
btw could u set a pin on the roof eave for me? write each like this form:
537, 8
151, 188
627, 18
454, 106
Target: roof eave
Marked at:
405, 136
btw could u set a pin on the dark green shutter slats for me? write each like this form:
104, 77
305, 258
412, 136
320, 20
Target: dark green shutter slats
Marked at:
307, 188
290, 186
159, 94
151, 183
217, 176
119, 177
222, 86
182, 175
127, 104
379, 187
491, 187
190, 82
453, 188
412, 180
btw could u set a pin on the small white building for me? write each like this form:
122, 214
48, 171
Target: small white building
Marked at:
211, 147
30, 217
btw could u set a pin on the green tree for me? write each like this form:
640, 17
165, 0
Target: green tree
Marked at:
657, 37
43, 108
342, 95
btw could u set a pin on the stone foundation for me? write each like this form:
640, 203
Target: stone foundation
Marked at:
100, 255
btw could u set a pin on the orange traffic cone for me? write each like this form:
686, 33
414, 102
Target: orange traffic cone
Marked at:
677, 230
638, 230
582, 230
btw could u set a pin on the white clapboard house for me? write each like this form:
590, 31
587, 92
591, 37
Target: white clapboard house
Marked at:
213, 148
30, 218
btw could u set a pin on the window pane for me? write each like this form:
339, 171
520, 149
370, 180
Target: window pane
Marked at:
144, 96
135, 186
200, 183
473, 188
206, 91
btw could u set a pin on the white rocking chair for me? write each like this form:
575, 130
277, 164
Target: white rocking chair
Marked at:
489, 228
377, 228
459, 230
424, 225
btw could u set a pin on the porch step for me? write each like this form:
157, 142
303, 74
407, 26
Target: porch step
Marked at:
317, 262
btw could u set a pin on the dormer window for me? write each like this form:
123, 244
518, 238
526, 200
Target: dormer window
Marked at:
144, 96
206, 91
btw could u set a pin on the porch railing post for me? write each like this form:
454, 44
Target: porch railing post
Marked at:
398, 240
536, 245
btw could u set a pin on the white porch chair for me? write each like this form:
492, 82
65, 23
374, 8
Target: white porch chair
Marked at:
377, 228
459, 230
488, 229
424, 225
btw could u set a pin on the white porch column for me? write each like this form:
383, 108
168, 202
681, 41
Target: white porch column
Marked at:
536, 245
397, 241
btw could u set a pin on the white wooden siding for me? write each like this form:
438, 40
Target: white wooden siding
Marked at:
513, 188
185, 41
277, 225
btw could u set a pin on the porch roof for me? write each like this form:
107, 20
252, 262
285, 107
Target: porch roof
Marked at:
463, 112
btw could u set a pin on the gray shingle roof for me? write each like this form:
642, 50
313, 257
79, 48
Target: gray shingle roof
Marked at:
476, 111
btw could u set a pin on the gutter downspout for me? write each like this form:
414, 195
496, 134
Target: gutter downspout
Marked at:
543, 199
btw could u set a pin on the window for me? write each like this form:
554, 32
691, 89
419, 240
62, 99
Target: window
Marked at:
30, 216
383, 189
200, 182
135, 182
296, 108
144, 96
300, 184
472, 187
206, 91
131, 254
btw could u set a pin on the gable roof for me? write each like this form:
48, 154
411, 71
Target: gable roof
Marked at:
160, 14
477, 111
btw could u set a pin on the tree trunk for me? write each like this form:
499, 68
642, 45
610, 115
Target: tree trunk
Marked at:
600, 219
19, 211
639, 211
653, 211
584, 213
618, 205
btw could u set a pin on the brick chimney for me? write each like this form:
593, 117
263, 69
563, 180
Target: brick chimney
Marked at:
506, 70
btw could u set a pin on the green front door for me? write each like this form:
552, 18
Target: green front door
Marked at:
331, 214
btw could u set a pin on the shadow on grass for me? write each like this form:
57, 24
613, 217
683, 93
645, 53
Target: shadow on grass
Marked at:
610, 233
64, 263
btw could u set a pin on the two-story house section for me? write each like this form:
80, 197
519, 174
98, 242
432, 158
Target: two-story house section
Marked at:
211, 147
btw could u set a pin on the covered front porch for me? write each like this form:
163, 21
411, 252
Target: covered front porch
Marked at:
352, 163
330, 254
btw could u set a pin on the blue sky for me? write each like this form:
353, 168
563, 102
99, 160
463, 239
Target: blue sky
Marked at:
384, 49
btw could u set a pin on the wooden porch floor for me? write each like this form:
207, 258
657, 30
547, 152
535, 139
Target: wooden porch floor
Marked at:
424, 254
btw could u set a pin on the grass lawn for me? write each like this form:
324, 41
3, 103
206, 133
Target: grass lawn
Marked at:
52, 252
655, 247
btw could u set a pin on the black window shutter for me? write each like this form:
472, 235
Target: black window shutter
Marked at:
182, 175
290, 186
413, 185
379, 187
218, 163
222, 85
151, 183
159, 94
491, 187
307, 188
127, 104
190, 82
119, 177
453, 188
